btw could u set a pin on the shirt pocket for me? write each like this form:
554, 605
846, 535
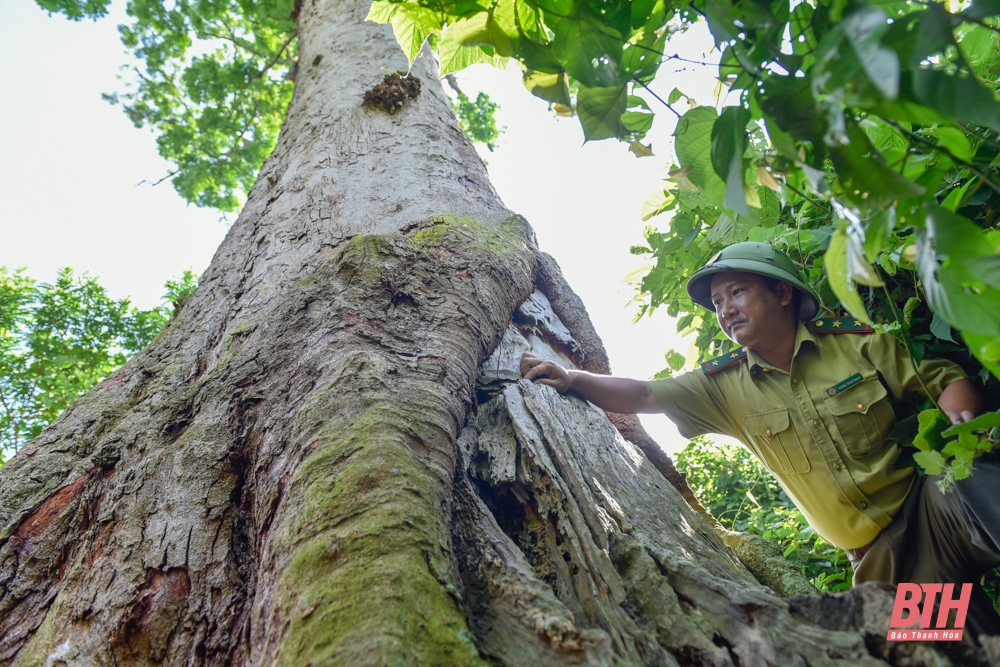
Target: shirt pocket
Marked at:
862, 414
777, 444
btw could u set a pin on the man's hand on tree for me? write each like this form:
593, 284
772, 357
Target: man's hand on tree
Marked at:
606, 392
547, 372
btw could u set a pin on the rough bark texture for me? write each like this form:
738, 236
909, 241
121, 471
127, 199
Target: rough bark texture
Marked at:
328, 456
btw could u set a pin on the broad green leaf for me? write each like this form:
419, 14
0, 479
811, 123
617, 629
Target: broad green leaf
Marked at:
879, 228
636, 101
675, 360
864, 29
600, 111
728, 143
960, 97
694, 149
982, 9
638, 121
382, 11
590, 51
941, 328
674, 96
480, 30
931, 462
954, 140
932, 424
550, 87
981, 423
866, 179
985, 268
835, 263
986, 349
410, 35
454, 57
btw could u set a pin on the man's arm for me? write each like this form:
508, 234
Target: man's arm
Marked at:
961, 401
606, 392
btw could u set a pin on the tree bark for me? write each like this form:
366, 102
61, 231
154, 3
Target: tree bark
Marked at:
328, 457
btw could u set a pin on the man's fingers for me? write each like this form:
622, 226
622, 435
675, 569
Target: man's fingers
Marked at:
528, 360
538, 370
960, 417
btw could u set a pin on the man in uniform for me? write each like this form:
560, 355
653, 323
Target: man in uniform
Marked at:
811, 399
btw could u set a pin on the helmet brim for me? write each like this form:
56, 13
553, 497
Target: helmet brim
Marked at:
699, 286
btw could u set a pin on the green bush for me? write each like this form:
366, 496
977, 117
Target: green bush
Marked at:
744, 496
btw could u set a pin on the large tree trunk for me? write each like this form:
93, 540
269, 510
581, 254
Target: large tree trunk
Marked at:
327, 456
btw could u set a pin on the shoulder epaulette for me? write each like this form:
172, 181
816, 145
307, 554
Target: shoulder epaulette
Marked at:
725, 361
839, 325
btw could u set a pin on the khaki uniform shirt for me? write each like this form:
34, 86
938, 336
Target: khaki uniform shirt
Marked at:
821, 428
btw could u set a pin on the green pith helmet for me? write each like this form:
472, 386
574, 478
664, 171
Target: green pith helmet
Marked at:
759, 258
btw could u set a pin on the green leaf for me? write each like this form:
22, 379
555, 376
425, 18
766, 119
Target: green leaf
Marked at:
958, 240
864, 30
693, 144
410, 35
986, 269
674, 96
866, 179
941, 329
986, 349
962, 98
638, 121
981, 423
982, 9
480, 30
932, 424
590, 52
878, 231
454, 57
835, 263
954, 140
931, 462
675, 360
382, 11
728, 143
549, 87
600, 111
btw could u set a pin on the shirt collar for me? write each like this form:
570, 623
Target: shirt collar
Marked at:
803, 336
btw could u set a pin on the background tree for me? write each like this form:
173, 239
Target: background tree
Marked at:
732, 484
327, 456
58, 340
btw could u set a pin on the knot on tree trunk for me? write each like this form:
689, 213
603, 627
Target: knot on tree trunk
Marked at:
393, 93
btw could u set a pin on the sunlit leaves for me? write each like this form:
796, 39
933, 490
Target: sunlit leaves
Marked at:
600, 111
58, 340
694, 150
477, 118
212, 84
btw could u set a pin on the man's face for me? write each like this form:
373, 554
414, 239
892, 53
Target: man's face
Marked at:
748, 311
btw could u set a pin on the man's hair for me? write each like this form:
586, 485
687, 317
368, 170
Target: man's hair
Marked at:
796, 295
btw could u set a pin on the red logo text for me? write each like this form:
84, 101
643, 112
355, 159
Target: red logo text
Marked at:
914, 607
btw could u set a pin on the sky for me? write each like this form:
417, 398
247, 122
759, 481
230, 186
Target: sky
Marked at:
75, 181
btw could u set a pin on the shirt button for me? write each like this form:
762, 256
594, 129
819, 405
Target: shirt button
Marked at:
815, 422
861, 407
795, 381
768, 433
864, 505
837, 467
